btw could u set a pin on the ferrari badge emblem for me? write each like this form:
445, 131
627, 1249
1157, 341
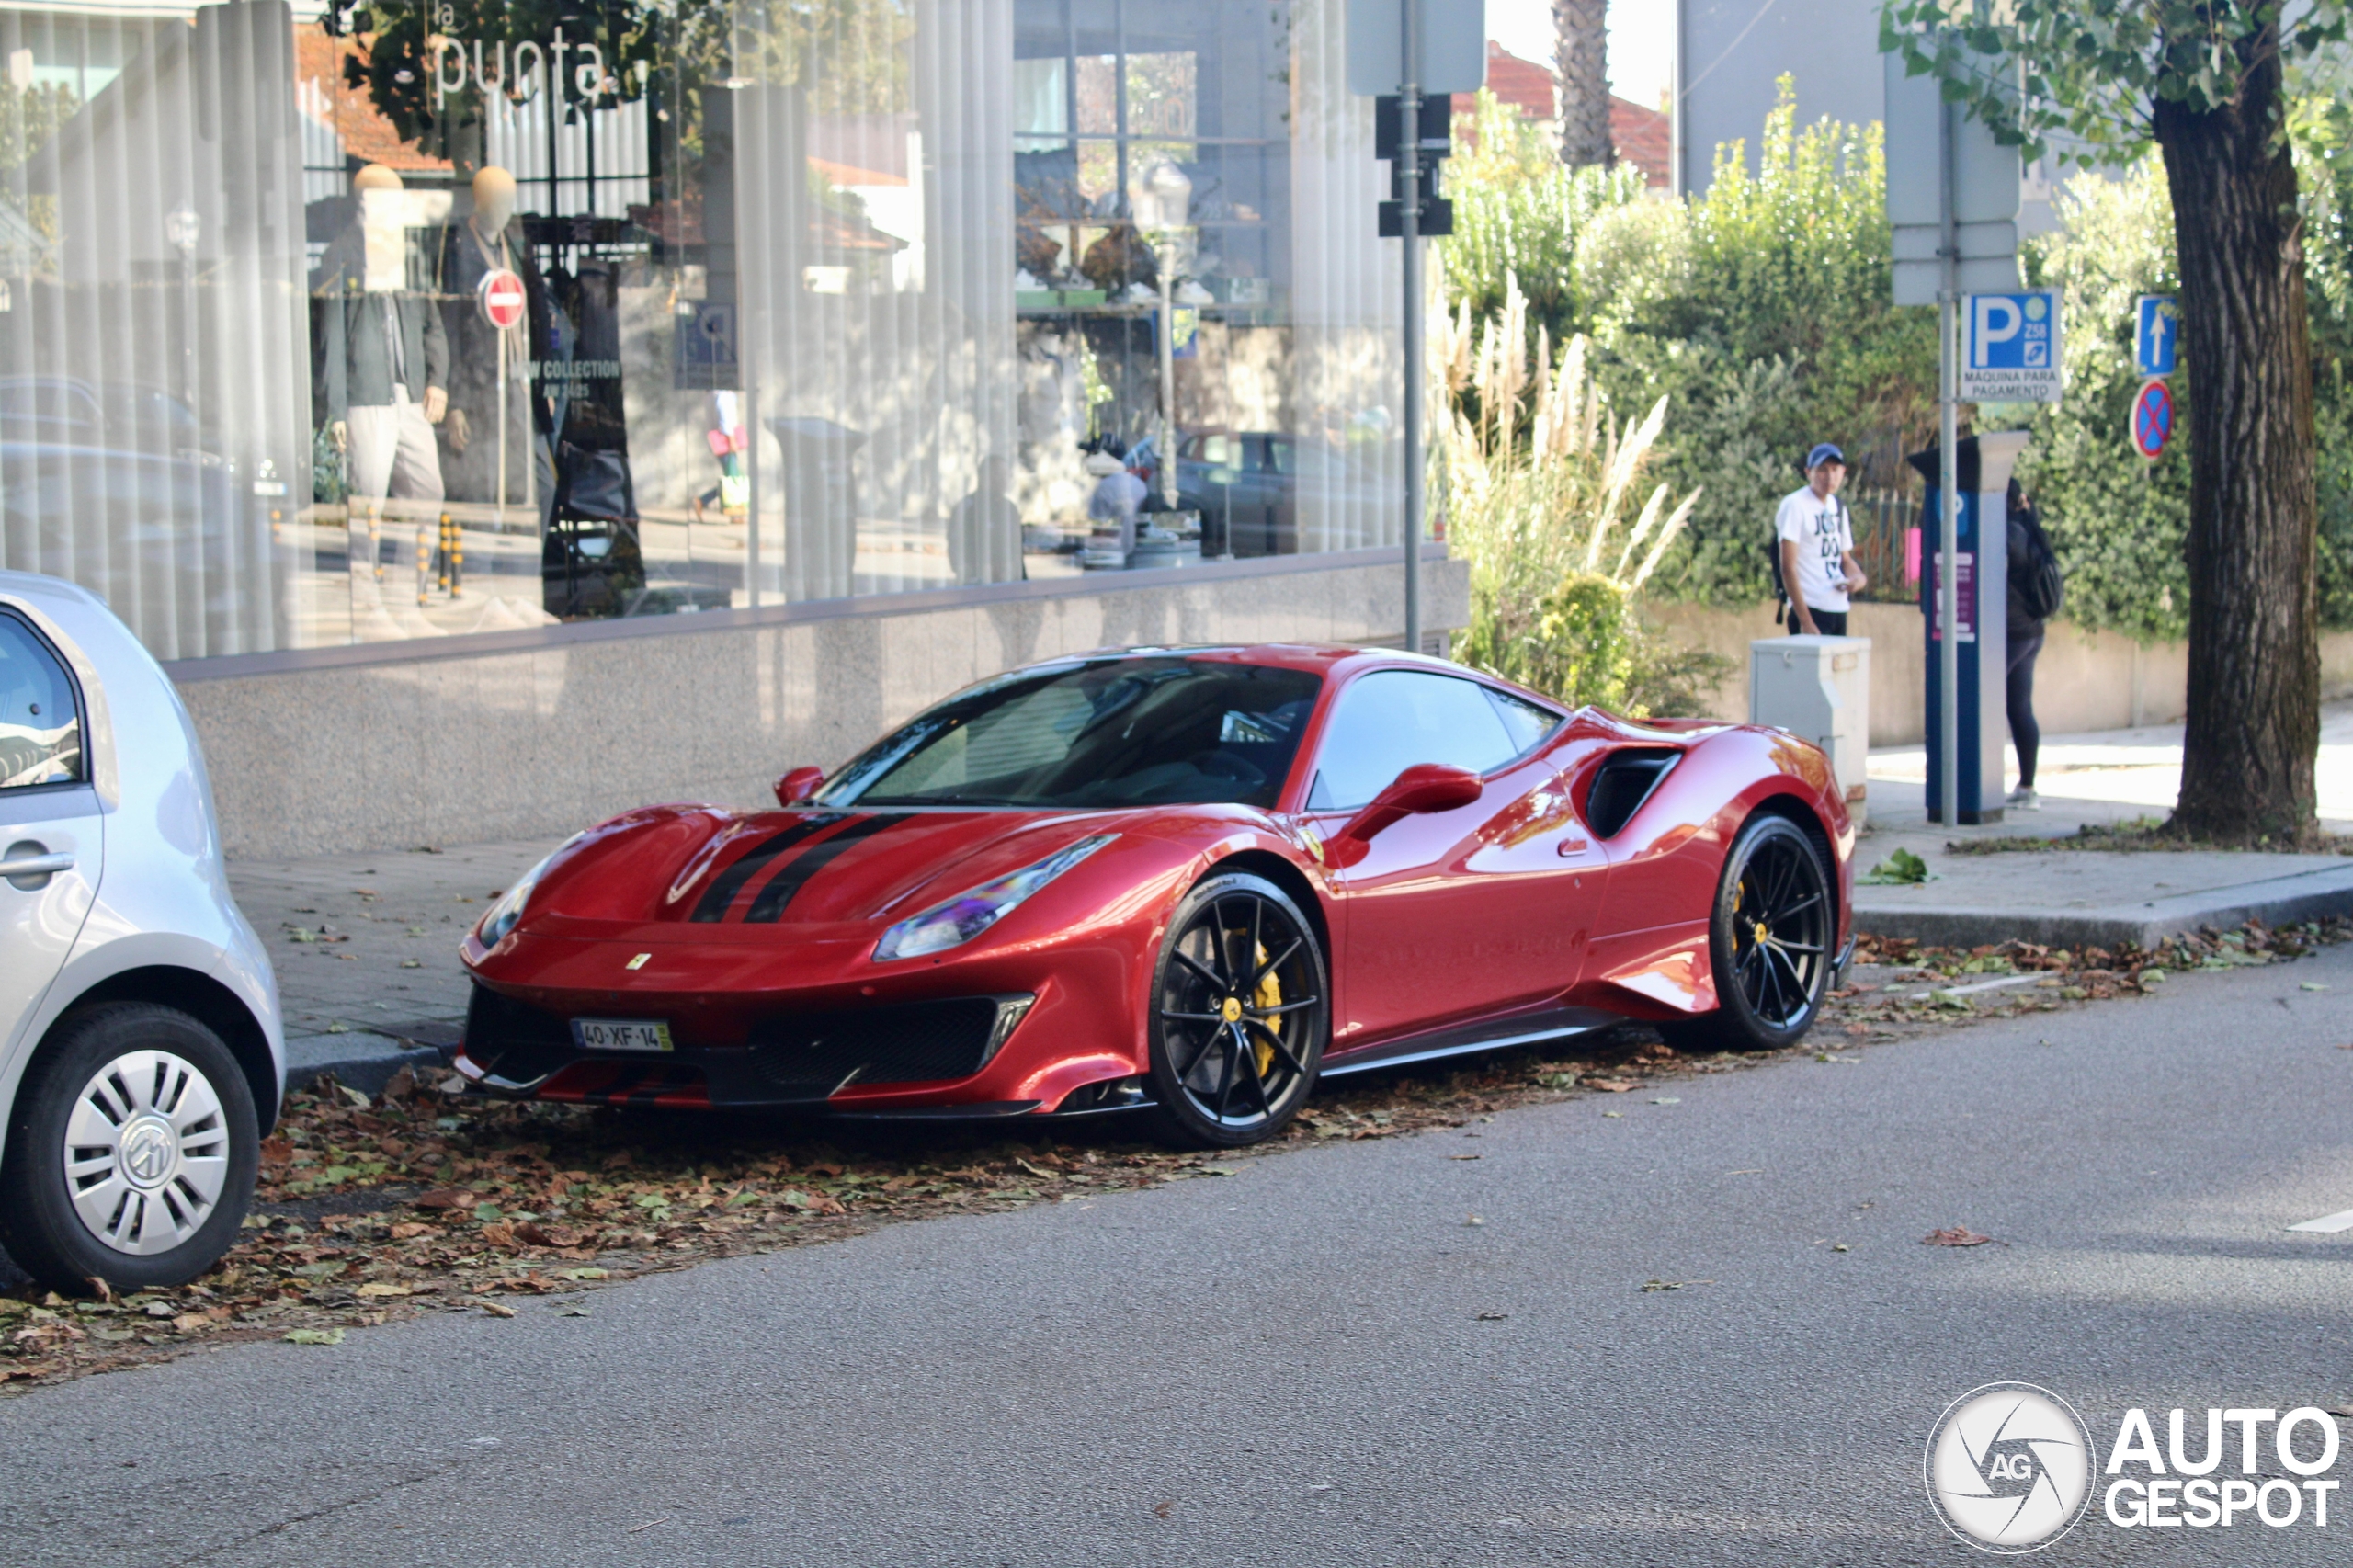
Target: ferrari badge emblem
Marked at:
637, 962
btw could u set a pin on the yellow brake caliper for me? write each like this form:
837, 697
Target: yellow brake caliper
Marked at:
1268, 995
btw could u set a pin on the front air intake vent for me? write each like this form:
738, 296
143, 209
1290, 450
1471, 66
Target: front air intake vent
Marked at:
1625, 780
513, 1040
811, 1055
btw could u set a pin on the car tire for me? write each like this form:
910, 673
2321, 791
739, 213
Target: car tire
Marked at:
1771, 936
1235, 1052
169, 1162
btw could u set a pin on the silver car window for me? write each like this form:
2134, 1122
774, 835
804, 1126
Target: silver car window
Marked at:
41, 732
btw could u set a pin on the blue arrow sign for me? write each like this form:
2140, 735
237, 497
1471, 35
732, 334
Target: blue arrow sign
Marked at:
2156, 338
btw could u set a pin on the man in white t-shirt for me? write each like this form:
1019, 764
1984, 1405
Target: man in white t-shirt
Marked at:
1816, 541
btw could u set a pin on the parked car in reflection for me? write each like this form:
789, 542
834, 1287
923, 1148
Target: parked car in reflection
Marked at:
126, 452
65, 411
1247, 486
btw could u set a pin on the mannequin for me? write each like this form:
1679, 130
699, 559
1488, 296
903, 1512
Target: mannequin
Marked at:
490, 240
387, 359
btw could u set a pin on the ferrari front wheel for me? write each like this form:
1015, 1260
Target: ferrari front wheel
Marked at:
1769, 942
1241, 1011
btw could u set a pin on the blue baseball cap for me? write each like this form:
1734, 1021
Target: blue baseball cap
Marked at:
1825, 453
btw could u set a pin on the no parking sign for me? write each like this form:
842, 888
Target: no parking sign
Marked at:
2152, 418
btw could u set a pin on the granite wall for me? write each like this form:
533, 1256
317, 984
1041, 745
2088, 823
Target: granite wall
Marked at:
538, 733
2083, 681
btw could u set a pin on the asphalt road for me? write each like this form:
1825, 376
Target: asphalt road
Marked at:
1289, 1368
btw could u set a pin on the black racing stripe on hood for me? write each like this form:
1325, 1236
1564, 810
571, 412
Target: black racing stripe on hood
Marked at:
769, 906
729, 882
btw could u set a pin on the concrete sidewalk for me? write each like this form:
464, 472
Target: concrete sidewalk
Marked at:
366, 949
2100, 898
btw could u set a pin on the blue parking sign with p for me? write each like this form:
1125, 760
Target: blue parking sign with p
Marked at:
2156, 338
2013, 347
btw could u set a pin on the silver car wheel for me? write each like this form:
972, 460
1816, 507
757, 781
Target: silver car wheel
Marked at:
146, 1153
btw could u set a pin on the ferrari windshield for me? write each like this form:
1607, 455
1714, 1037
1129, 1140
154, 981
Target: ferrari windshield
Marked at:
1131, 731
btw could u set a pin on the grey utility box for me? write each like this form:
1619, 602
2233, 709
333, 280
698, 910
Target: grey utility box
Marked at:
1818, 688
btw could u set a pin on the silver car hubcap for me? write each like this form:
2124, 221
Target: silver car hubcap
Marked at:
146, 1153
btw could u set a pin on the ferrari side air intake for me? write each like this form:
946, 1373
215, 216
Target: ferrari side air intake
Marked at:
1625, 780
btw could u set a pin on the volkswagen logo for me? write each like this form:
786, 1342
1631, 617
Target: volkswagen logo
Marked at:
2009, 1468
148, 1151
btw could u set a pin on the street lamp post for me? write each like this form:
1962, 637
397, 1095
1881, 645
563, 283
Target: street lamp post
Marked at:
1162, 201
182, 229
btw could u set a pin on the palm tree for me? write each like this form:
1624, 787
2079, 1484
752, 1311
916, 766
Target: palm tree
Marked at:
1581, 75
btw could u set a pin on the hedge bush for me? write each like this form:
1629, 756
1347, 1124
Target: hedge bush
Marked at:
1763, 311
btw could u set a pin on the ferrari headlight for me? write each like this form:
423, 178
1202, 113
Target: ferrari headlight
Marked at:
508, 909
967, 915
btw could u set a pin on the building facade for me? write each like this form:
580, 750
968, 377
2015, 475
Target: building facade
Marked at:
1731, 55
509, 337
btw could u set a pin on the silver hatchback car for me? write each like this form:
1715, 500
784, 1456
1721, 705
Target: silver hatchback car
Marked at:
141, 1050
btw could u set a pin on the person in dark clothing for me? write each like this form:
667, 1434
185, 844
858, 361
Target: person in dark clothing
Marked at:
2026, 631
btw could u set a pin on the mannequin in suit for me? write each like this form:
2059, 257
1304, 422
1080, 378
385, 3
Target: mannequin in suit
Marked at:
387, 359
491, 239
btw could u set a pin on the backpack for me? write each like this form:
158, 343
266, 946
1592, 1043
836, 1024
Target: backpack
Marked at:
2041, 587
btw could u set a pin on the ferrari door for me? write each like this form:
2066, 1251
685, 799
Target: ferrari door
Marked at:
1454, 914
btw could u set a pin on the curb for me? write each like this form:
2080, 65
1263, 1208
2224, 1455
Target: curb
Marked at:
2276, 900
364, 1060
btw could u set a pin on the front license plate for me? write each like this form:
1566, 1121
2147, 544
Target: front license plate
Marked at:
621, 1034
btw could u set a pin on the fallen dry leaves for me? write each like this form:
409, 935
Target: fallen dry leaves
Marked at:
374, 1209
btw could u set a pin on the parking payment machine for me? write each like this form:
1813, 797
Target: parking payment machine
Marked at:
1984, 465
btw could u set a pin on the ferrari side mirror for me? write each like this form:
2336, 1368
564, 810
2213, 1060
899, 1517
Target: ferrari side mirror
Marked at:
798, 785
1424, 787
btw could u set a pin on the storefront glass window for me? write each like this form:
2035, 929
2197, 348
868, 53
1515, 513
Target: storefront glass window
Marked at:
419, 318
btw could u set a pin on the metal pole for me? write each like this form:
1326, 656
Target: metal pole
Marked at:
502, 426
1409, 211
1167, 459
747, 423
1948, 485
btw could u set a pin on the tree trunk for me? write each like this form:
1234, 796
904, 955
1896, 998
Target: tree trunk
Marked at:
2254, 724
1581, 81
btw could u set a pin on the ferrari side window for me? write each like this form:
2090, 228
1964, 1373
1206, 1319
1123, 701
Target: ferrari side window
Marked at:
41, 733
1524, 721
1390, 720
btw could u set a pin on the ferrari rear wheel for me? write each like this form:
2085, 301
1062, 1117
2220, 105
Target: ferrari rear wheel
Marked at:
1241, 1011
1770, 939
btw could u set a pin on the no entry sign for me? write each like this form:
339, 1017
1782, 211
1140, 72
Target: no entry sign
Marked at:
2152, 418
501, 293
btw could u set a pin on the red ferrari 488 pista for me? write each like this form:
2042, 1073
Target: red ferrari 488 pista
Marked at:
1185, 881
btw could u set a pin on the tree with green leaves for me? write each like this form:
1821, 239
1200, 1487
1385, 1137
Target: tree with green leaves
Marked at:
2205, 80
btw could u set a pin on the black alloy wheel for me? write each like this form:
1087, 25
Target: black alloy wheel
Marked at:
1770, 940
1241, 1011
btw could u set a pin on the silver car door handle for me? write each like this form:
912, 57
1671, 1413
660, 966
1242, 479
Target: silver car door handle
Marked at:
36, 866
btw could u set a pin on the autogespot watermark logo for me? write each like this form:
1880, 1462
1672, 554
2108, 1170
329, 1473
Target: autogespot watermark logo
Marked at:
2011, 1468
